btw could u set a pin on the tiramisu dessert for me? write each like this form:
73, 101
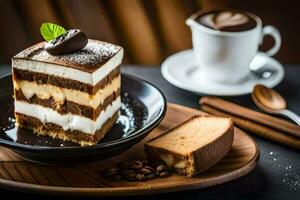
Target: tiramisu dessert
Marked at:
68, 88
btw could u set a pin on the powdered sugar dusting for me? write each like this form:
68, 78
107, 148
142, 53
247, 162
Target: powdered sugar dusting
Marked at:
95, 54
289, 173
92, 54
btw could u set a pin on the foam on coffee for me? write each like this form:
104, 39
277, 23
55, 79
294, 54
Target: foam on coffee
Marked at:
227, 20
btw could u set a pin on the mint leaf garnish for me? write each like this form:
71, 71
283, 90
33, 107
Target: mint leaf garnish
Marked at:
51, 31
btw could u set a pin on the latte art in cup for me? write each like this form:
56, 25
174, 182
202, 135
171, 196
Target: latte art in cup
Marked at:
225, 43
227, 21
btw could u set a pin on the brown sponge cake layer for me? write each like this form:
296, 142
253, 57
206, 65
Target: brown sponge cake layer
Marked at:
41, 78
55, 131
69, 106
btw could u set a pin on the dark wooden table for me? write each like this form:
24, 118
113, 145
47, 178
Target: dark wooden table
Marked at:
277, 175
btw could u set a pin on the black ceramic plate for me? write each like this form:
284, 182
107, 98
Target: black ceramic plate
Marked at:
143, 107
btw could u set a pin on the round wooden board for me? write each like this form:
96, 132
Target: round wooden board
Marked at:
21, 175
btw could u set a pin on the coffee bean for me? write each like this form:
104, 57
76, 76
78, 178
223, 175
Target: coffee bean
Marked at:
140, 177
137, 171
164, 174
136, 165
127, 172
161, 168
71, 41
137, 162
146, 171
150, 176
130, 175
149, 168
110, 172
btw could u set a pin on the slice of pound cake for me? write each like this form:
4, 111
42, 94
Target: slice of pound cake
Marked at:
193, 146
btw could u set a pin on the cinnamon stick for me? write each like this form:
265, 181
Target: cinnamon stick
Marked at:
271, 128
243, 112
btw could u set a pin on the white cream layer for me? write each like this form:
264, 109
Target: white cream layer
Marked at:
70, 73
68, 121
61, 94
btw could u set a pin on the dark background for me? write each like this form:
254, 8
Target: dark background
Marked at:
149, 30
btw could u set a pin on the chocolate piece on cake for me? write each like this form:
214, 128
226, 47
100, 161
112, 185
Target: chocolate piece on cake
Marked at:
193, 146
73, 97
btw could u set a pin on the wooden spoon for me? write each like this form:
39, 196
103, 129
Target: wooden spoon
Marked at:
272, 102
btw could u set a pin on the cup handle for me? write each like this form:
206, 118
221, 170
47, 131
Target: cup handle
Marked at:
273, 32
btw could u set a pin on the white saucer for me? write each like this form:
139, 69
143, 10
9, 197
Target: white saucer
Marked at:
182, 71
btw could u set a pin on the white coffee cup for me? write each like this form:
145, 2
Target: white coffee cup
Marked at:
225, 56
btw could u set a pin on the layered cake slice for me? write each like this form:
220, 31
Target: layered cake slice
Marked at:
193, 146
74, 96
